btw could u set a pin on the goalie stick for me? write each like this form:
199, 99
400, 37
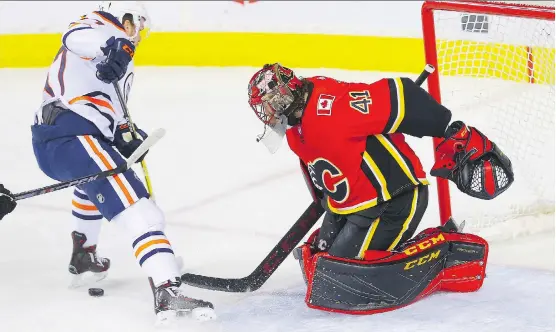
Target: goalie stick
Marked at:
269, 264
429, 69
282, 249
144, 147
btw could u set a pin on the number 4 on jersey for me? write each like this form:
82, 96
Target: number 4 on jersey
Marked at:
361, 102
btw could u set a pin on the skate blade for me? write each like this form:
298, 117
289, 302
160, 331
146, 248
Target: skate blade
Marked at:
171, 317
87, 278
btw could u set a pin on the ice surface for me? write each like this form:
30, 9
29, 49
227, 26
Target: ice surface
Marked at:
227, 202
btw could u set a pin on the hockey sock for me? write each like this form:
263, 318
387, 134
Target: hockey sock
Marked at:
87, 218
154, 254
144, 222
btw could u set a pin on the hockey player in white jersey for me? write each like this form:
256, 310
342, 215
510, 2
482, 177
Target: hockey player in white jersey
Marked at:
79, 130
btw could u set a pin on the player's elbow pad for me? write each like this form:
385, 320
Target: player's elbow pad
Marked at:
424, 116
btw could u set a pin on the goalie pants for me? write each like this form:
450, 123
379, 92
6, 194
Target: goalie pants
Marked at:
383, 227
64, 157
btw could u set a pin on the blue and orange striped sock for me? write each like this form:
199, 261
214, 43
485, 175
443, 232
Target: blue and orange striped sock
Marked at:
154, 254
87, 218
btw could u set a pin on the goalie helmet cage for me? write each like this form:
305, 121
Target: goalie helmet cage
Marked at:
495, 71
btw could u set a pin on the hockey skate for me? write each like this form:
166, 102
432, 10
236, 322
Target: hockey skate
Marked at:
170, 303
85, 266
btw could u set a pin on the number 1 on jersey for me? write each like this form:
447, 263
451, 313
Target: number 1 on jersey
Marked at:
361, 102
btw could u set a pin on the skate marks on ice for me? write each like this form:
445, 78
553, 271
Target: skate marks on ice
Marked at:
86, 279
186, 322
512, 299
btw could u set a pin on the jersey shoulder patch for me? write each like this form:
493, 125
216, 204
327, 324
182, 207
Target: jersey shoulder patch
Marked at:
324, 104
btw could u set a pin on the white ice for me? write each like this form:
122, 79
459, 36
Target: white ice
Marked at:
227, 202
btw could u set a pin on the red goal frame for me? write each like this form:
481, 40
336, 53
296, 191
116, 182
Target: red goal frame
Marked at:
429, 37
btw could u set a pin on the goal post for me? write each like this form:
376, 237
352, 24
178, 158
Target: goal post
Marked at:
495, 71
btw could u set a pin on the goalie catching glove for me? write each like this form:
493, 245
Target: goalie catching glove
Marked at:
474, 163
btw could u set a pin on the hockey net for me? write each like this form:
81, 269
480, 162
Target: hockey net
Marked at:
495, 71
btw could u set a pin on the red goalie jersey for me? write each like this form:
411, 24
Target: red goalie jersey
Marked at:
349, 140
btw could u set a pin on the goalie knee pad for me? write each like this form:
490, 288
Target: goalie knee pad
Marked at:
475, 164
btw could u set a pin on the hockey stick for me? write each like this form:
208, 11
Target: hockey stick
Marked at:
135, 135
429, 69
282, 249
141, 150
269, 264
148, 183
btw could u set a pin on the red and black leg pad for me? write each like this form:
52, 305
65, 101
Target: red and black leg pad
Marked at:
385, 281
474, 163
310, 248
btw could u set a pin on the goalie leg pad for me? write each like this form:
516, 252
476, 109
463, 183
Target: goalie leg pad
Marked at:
386, 281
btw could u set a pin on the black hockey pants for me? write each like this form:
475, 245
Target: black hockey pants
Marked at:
382, 227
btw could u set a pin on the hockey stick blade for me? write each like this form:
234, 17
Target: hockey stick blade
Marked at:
151, 140
144, 147
271, 262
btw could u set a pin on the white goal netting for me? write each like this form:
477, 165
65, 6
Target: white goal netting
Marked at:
497, 74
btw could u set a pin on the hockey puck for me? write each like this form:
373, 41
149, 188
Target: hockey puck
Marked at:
96, 292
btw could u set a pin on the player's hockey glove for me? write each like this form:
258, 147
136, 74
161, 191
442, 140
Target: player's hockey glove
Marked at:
126, 143
474, 163
7, 202
119, 52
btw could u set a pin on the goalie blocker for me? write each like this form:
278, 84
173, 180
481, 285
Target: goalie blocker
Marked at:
437, 259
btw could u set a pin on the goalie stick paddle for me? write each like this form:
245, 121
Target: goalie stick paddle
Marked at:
269, 264
144, 147
280, 252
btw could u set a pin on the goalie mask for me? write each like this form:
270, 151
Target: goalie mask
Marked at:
275, 95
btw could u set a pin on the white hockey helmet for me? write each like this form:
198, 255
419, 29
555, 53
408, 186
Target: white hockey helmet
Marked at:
133, 10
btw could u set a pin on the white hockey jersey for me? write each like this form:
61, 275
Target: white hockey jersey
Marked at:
72, 77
